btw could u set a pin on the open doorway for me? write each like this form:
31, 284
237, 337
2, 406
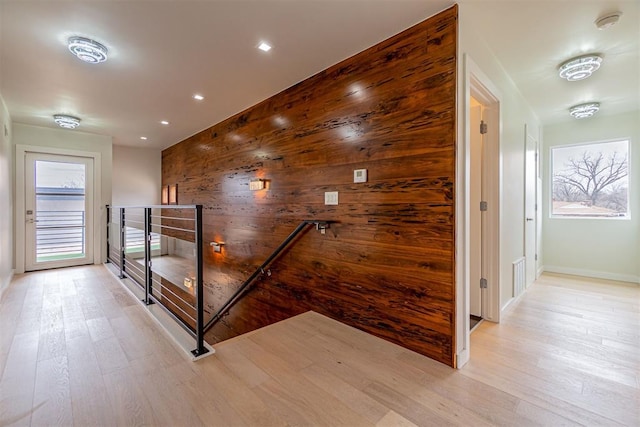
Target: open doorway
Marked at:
479, 211
476, 199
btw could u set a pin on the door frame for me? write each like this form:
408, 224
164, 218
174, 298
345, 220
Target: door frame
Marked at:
20, 209
476, 83
529, 137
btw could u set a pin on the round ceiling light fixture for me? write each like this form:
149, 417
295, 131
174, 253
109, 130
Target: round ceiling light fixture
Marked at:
67, 122
87, 50
580, 67
584, 111
608, 20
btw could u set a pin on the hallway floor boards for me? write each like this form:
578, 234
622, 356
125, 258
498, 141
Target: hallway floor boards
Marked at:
77, 349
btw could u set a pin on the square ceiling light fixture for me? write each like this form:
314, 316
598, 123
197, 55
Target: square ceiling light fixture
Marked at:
584, 111
67, 122
580, 68
87, 50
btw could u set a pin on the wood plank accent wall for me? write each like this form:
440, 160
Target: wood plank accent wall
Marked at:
387, 265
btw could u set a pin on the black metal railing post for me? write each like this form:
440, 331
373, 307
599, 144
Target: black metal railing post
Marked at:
200, 348
148, 285
122, 243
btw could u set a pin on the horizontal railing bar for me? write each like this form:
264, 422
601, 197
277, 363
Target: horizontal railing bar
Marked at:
66, 248
136, 268
63, 237
172, 228
172, 293
172, 217
55, 213
178, 307
155, 207
180, 322
61, 227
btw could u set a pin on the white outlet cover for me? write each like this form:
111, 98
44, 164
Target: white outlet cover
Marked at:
360, 175
331, 198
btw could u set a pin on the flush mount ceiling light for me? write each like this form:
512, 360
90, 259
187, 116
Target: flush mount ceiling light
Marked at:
87, 50
164, 122
608, 20
580, 67
144, 138
198, 97
67, 122
265, 47
584, 111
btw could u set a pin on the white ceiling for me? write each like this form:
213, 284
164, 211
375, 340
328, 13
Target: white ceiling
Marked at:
162, 52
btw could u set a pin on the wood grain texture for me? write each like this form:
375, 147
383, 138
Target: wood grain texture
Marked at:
566, 353
387, 265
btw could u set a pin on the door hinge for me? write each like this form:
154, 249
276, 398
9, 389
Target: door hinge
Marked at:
483, 206
483, 127
483, 283
536, 258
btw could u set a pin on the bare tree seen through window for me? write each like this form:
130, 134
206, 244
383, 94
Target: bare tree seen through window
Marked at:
591, 180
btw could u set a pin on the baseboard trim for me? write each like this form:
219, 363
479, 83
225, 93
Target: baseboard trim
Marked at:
462, 358
593, 273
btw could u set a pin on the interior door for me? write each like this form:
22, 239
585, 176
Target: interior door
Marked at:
530, 231
475, 197
59, 211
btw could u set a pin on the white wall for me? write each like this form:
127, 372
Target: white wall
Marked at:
78, 141
137, 176
605, 248
6, 199
515, 115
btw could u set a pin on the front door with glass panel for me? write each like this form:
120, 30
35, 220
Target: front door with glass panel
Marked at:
59, 211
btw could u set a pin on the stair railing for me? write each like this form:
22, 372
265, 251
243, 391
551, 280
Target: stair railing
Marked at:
120, 224
320, 225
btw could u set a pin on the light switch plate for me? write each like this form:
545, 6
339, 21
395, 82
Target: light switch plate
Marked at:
331, 198
360, 175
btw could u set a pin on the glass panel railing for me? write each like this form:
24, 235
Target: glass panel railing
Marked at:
160, 249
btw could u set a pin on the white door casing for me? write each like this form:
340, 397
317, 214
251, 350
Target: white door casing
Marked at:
20, 205
530, 202
475, 83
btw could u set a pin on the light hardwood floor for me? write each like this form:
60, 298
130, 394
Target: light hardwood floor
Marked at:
77, 349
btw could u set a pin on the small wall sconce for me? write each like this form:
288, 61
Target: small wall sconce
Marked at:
189, 282
257, 184
165, 194
173, 194
217, 246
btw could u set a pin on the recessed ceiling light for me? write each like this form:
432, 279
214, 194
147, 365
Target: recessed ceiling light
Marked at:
608, 20
580, 67
67, 122
87, 50
198, 97
164, 122
584, 111
144, 138
265, 47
